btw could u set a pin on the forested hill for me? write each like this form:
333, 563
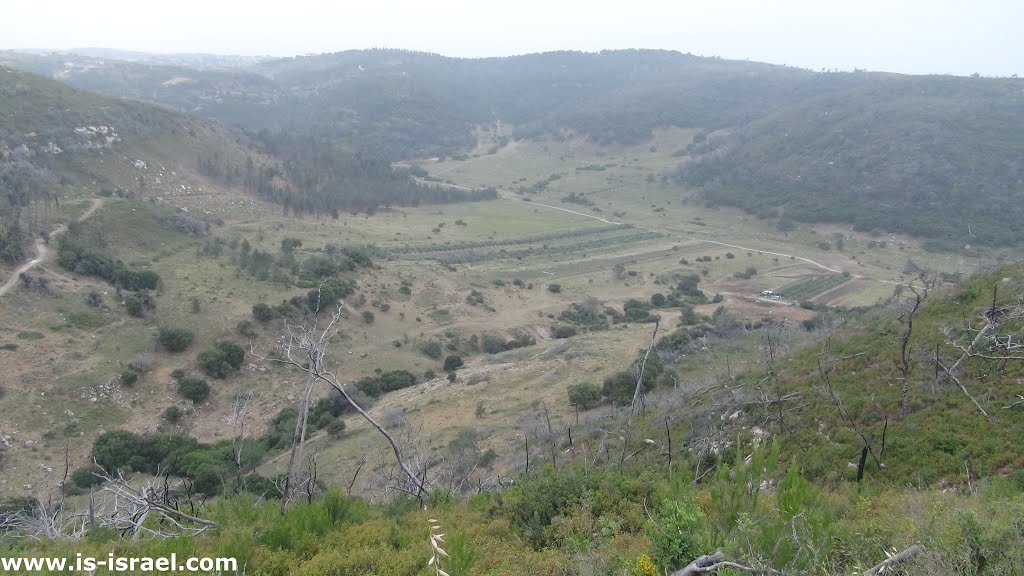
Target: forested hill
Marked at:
931, 156
935, 156
411, 103
55, 140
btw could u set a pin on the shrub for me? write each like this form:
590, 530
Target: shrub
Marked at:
429, 375
368, 317
375, 387
658, 300
195, 389
129, 378
637, 311
141, 363
94, 299
452, 363
173, 414
554, 288
175, 339
86, 477
336, 427
245, 328
620, 387
452, 376
329, 293
584, 395
133, 305
432, 348
221, 359
676, 536
114, 449
563, 332
263, 312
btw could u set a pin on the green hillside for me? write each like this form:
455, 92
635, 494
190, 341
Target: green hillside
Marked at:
932, 156
778, 493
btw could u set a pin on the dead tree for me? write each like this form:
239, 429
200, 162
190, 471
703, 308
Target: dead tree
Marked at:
306, 347
239, 412
128, 509
636, 391
866, 449
298, 442
996, 341
909, 298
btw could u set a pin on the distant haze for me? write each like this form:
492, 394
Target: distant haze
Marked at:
908, 36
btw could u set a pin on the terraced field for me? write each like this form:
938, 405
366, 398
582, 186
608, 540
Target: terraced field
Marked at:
811, 286
554, 246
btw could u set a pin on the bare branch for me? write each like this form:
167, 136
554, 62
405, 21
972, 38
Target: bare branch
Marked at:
895, 559
711, 563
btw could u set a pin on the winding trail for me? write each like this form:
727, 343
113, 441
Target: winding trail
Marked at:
41, 244
559, 208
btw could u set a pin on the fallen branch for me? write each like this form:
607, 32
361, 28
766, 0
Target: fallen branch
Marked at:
895, 559
949, 372
708, 564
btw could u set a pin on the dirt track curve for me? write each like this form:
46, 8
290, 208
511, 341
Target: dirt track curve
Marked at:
41, 245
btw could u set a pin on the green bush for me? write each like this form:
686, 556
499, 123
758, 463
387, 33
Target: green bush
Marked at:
195, 389
245, 328
86, 477
133, 305
329, 293
620, 387
375, 387
563, 332
336, 428
534, 503
432, 348
368, 317
224, 357
554, 288
129, 378
676, 533
452, 363
175, 339
637, 311
263, 312
584, 395
173, 414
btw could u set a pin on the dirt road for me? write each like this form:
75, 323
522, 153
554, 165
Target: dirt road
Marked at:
41, 245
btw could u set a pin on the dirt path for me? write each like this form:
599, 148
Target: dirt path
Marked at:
41, 247
560, 208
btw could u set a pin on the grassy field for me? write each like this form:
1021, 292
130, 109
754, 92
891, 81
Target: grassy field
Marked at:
625, 184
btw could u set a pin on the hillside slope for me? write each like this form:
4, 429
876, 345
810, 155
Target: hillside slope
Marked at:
928, 155
59, 143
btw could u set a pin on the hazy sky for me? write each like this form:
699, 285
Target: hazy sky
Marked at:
911, 36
